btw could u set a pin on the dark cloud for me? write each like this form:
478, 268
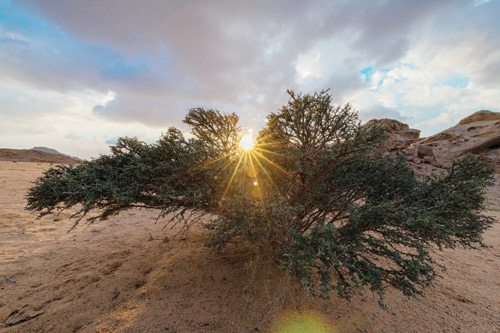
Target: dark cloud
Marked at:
385, 26
162, 57
157, 112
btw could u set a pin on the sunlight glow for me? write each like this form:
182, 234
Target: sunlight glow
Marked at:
308, 321
246, 141
250, 162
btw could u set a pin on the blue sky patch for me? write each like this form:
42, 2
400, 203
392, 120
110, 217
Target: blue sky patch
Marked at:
455, 80
367, 73
111, 141
28, 38
124, 70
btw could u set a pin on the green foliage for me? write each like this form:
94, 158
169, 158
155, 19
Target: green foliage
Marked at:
315, 194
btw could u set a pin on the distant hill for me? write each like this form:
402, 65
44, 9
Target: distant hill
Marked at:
47, 150
35, 155
53, 151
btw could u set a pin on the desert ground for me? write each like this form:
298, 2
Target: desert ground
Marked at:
130, 274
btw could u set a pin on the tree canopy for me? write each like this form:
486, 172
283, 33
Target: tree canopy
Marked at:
315, 193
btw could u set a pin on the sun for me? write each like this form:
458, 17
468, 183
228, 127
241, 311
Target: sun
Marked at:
246, 142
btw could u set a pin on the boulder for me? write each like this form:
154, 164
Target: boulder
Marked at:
482, 115
424, 151
479, 134
396, 127
399, 135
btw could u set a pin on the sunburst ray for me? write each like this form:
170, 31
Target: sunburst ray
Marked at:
268, 151
232, 177
272, 163
264, 169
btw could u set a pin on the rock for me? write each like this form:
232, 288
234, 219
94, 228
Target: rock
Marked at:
21, 315
478, 134
399, 135
392, 126
428, 159
424, 151
482, 115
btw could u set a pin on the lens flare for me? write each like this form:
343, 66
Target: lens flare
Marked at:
297, 322
246, 141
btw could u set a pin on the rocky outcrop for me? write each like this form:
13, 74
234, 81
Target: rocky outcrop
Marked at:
399, 135
478, 133
403, 140
482, 115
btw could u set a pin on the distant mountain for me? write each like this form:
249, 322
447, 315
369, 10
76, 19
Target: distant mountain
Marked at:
47, 150
53, 151
33, 155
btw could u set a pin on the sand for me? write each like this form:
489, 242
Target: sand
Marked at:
128, 274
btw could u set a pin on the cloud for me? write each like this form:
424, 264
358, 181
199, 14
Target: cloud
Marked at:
142, 65
63, 121
111, 141
478, 3
440, 80
156, 112
385, 27
378, 111
74, 136
222, 50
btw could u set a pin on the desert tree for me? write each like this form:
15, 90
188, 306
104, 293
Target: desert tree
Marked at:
315, 193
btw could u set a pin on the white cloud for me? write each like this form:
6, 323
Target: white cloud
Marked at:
307, 66
437, 84
63, 121
478, 3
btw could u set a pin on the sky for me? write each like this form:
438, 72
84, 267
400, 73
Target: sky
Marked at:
76, 75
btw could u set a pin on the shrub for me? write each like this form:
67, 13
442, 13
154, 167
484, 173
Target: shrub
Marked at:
315, 193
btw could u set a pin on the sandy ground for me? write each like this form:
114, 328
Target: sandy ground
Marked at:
128, 274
